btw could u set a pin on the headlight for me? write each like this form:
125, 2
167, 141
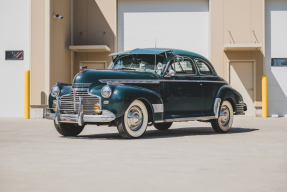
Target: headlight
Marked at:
55, 91
106, 91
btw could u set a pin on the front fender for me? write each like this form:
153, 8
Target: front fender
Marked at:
124, 95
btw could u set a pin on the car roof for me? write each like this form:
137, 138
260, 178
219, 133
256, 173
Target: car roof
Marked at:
158, 51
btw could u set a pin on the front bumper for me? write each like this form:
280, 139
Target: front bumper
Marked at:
80, 119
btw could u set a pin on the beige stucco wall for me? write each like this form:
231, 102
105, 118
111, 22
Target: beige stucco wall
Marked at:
60, 40
240, 18
91, 19
38, 95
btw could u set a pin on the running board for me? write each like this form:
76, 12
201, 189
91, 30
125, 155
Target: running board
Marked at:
187, 119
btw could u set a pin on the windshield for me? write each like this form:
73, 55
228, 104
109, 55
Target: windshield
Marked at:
138, 62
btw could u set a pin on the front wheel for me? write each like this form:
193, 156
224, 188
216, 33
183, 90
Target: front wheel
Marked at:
224, 122
134, 122
68, 129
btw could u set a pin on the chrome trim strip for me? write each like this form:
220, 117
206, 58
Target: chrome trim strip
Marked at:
80, 112
150, 81
199, 81
119, 81
216, 106
81, 85
57, 111
157, 108
186, 119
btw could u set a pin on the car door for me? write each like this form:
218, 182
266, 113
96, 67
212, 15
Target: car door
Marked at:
182, 92
210, 85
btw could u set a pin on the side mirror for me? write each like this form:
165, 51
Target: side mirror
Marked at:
171, 72
159, 66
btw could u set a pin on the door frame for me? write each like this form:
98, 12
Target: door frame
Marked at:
105, 62
253, 62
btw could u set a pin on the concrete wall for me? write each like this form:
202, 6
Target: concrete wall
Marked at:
240, 18
91, 19
15, 35
276, 41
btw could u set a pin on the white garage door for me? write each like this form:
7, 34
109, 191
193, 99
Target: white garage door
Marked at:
181, 24
276, 41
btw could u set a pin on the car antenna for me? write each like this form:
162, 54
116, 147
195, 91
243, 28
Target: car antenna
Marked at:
155, 56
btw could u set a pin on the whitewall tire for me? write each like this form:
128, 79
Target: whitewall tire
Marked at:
224, 122
134, 122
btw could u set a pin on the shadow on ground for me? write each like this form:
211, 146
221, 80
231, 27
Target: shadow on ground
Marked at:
179, 132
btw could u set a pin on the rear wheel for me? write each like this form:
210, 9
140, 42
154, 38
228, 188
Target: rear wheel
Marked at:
224, 122
134, 122
68, 129
162, 126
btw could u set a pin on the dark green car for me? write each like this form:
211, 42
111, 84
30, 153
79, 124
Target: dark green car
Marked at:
145, 87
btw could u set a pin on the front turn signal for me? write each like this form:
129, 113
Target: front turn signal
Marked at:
97, 108
54, 107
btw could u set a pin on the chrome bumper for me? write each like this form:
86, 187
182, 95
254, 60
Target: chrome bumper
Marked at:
79, 118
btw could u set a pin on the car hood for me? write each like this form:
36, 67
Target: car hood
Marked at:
93, 76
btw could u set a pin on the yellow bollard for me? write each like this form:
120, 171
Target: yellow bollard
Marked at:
27, 94
264, 96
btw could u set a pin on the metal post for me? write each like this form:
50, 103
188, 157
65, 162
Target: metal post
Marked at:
264, 96
27, 94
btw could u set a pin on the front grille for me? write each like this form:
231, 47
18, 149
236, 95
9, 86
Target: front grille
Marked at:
70, 103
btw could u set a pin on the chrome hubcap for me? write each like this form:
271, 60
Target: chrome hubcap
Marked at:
224, 116
135, 118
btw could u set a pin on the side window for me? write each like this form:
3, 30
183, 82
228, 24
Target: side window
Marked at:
186, 66
203, 67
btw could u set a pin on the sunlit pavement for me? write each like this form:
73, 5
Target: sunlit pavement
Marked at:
188, 157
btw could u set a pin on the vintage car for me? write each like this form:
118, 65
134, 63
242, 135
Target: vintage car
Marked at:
145, 87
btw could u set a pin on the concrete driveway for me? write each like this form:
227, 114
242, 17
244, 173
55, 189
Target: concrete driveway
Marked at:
188, 157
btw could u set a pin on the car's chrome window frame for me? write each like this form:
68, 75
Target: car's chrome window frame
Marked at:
182, 74
208, 65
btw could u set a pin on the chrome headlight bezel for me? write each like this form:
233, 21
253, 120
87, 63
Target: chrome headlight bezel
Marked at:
106, 92
55, 91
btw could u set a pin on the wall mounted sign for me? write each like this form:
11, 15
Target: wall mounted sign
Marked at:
14, 55
279, 62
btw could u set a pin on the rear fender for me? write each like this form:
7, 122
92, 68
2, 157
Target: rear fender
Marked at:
226, 92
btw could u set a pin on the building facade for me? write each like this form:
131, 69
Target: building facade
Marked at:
244, 39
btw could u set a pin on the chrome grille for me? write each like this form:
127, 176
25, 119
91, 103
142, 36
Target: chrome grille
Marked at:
70, 103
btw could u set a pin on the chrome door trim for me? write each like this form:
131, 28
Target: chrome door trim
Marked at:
152, 81
120, 81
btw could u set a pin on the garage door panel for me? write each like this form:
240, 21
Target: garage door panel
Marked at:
182, 25
276, 41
